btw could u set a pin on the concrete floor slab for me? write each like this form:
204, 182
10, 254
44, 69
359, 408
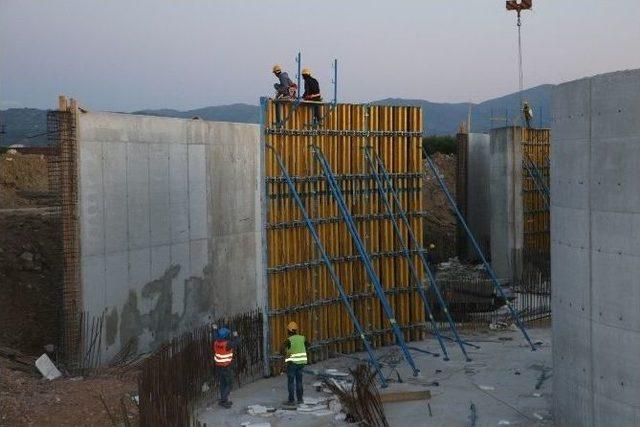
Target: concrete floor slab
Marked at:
500, 381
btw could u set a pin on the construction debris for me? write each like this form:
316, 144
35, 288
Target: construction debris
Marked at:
47, 368
361, 401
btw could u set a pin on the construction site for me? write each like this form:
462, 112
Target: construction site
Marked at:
496, 285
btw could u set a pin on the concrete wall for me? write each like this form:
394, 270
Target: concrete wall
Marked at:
595, 250
506, 202
478, 193
169, 224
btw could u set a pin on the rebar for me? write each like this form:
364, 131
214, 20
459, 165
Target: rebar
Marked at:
361, 401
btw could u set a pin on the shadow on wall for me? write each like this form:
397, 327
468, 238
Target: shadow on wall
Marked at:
160, 321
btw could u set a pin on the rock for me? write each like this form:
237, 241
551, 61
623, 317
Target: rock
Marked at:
26, 256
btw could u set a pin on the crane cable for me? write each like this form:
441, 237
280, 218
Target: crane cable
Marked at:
520, 73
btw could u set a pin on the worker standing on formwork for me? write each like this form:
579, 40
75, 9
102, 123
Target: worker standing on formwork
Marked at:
285, 88
527, 112
223, 361
312, 92
295, 351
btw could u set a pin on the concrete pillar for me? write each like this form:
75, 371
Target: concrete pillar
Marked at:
505, 190
474, 188
595, 250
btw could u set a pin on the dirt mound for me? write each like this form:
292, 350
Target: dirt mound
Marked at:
23, 180
31, 278
435, 202
29, 400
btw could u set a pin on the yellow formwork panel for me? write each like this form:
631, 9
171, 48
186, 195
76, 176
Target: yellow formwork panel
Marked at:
299, 286
536, 145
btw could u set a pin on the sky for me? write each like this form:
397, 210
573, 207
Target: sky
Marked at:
123, 55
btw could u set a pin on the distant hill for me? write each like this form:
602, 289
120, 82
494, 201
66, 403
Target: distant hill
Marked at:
444, 119
238, 113
22, 124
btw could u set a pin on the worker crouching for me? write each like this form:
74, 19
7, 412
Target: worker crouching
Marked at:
294, 350
223, 348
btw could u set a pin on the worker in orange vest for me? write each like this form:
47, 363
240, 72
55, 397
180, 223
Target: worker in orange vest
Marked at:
222, 350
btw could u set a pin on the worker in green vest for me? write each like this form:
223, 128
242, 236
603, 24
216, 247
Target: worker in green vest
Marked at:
294, 350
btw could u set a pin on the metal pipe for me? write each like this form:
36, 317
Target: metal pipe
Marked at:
479, 252
365, 257
334, 277
430, 276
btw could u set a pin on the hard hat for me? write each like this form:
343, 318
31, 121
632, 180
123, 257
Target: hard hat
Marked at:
306, 71
277, 68
292, 326
432, 246
223, 332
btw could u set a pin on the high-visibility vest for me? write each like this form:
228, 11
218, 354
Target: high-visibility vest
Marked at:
297, 351
222, 356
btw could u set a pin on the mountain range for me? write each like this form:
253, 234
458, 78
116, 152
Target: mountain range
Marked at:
27, 126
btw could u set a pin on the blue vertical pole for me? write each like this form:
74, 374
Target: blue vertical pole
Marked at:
335, 82
263, 219
299, 75
366, 260
486, 264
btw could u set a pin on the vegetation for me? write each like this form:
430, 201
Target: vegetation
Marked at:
445, 144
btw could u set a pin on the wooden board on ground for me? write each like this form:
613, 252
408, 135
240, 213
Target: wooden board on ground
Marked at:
405, 396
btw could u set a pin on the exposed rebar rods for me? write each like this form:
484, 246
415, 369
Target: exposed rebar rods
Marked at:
362, 401
173, 379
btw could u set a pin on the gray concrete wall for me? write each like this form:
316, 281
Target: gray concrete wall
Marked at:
478, 193
169, 224
595, 250
506, 202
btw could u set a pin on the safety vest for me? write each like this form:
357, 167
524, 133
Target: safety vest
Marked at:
222, 356
297, 351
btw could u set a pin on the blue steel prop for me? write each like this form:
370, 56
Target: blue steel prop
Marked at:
334, 277
335, 82
384, 196
487, 266
416, 243
366, 260
299, 75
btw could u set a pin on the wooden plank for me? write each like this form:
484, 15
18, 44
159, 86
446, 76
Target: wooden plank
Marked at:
405, 396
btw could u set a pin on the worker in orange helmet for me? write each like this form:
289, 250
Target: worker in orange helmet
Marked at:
294, 349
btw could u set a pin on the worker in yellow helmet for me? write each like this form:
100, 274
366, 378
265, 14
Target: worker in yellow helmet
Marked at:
294, 350
312, 93
285, 88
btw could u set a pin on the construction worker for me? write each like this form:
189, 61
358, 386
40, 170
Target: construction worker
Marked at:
311, 86
312, 92
294, 349
285, 88
527, 112
223, 361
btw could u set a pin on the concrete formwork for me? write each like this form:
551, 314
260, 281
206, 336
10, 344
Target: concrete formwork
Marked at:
168, 222
595, 250
474, 174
